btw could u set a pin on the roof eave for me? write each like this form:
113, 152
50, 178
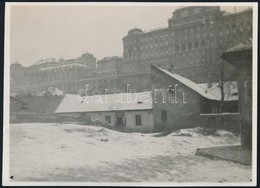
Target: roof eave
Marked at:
105, 111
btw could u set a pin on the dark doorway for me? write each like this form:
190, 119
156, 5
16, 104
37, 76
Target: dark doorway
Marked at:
120, 119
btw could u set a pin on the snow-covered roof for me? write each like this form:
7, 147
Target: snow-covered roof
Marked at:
52, 91
192, 85
103, 103
230, 90
247, 45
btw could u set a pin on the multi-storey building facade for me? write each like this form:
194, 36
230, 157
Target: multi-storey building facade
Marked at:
195, 38
109, 66
190, 46
107, 73
66, 75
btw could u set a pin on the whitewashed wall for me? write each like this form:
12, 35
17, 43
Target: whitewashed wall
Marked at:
101, 116
147, 120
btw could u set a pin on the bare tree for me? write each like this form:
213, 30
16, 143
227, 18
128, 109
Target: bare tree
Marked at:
221, 73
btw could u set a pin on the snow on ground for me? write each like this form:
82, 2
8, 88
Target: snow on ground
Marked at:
71, 152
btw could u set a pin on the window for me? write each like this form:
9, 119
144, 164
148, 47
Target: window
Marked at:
138, 120
214, 110
227, 31
209, 108
203, 43
196, 44
189, 46
164, 115
177, 48
183, 47
108, 119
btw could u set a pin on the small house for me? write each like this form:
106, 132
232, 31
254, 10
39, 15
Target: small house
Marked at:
172, 102
124, 110
188, 100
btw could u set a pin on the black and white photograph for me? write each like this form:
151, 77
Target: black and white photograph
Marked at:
122, 94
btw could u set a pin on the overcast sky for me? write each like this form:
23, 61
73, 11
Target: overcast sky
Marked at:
40, 32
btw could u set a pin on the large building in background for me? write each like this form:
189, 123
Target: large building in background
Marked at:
63, 74
107, 73
190, 46
194, 39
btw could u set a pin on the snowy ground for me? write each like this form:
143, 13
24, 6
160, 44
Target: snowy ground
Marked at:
70, 152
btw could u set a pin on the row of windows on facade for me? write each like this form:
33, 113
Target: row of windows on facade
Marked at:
105, 66
54, 77
209, 31
138, 118
168, 51
152, 43
167, 64
61, 72
180, 60
209, 109
190, 45
67, 88
233, 31
178, 63
135, 69
146, 68
108, 72
193, 31
178, 33
106, 85
241, 23
76, 88
146, 56
36, 79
